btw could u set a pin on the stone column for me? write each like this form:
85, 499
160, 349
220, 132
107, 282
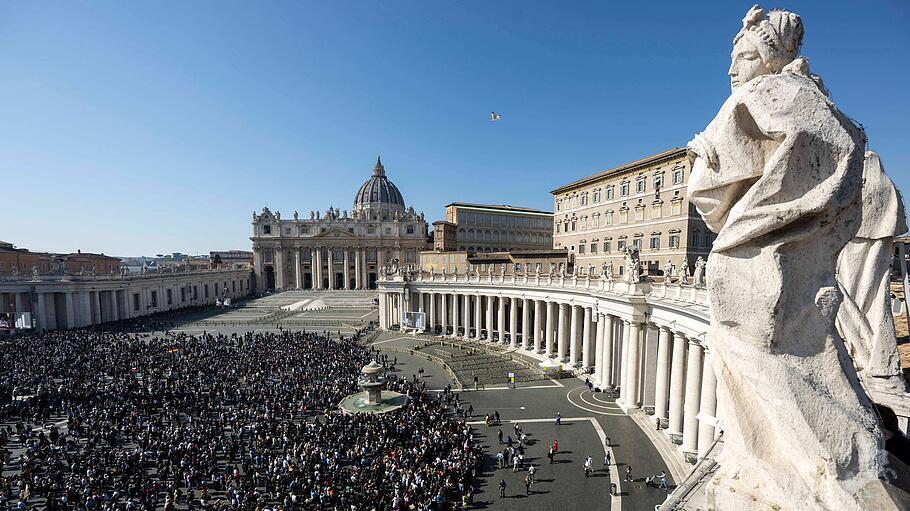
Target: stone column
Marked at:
606, 376
42, 318
488, 314
693, 396
677, 383
538, 332
634, 361
551, 327
574, 323
115, 305
526, 323
501, 318
297, 269
19, 301
466, 309
331, 266
85, 309
561, 333
358, 268
444, 312
707, 405
478, 320
431, 320
346, 272
648, 376
662, 379
316, 267
599, 350
513, 321
383, 324
586, 339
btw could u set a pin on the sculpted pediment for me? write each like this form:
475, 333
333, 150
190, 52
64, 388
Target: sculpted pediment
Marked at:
335, 232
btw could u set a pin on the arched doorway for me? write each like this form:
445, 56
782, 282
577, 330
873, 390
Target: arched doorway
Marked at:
269, 278
371, 280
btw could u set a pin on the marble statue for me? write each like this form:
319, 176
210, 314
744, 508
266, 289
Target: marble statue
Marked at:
684, 272
312, 215
633, 265
668, 271
699, 276
295, 214
777, 175
552, 269
34, 271
538, 267
606, 271
864, 319
15, 269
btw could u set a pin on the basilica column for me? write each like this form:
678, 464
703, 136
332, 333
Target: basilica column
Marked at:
331, 265
358, 268
662, 380
316, 267
586, 339
526, 323
606, 376
383, 323
346, 272
561, 334
297, 268
677, 383
513, 321
624, 364
599, 349
538, 337
707, 406
693, 398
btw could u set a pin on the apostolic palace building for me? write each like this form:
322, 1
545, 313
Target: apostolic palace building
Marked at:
338, 249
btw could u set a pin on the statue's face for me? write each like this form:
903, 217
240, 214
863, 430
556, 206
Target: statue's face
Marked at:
746, 64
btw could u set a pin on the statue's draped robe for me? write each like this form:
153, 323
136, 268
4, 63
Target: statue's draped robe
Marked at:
777, 175
863, 270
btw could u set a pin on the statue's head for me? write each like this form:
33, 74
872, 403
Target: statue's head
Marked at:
767, 42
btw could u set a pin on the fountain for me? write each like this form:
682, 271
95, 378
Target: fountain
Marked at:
374, 398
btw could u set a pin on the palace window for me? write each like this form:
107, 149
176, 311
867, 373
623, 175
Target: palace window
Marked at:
596, 196
581, 249
573, 225
266, 229
609, 192
678, 176
606, 247
304, 230
676, 207
593, 248
584, 223
640, 185
410, 229
623, 216
637, 243
674, 241
658, 180
597, 220
656, 210
624, 189
609, 218
584, 199
621, 245
639, 213
558, 205
655, 242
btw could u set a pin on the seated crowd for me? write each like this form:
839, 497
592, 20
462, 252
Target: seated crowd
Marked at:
101, 419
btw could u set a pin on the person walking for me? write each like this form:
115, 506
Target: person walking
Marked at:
502, 488
662, 477
589, 466
531, 471
499, 436
558, 418
607, 459
551, 454
515, 462
629, 473
500, 459
528, 482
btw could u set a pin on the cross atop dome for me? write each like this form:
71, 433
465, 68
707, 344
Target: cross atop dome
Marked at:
378, 170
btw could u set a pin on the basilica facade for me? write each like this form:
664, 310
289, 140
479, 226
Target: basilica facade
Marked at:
338, 249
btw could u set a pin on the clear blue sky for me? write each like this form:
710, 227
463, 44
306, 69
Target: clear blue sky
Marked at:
147, 127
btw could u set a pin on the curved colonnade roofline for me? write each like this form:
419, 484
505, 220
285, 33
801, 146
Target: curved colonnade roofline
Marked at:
644, 340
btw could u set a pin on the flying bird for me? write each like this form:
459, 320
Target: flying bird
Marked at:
494, 117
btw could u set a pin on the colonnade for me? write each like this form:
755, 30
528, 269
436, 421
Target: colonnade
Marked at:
328, 267
656, 366
57, 304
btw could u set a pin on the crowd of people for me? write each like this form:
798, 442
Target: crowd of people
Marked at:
101, 419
